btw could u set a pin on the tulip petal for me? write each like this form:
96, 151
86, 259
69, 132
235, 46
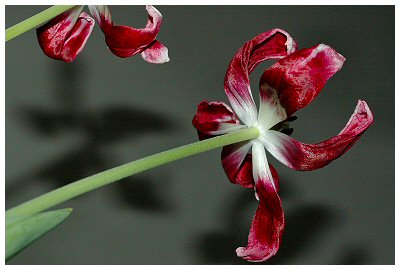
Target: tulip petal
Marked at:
64, 37
271, 110
299, 77
273, 44
102, 14
214, 118
260, 170
304, 157
125, 41
268, 223
156, 53
238, 166
236, 162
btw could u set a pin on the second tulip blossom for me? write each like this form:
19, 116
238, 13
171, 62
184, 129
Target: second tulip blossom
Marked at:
64, 37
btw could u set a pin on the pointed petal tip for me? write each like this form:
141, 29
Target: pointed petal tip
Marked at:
300, 77
307, 157
268, 223
153, 12
363, 107
156, 54
336, 58
360, 120
291, 44
271, 44
126, 41
241, 252
151, 8
247, 255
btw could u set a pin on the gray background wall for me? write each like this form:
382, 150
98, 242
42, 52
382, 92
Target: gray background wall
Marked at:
67, 121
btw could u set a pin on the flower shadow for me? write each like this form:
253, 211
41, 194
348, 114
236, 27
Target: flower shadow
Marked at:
305, 223
98, 129
141, 193
354, 254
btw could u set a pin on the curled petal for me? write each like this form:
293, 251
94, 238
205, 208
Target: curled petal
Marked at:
273, 44
267, 227
156, 53
214, 118
125, 41
64, 37
268, 223
236, 162
299, 77
304, 157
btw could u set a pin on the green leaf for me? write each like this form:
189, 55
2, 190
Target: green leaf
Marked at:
22, 230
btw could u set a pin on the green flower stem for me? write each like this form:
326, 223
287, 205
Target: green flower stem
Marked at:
35, 21
87, 184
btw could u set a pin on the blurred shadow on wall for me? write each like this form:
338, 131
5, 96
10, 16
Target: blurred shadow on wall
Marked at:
143, 193
305, 223
99, 128
353, 253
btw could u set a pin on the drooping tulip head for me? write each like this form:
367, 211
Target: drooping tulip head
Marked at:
64, 37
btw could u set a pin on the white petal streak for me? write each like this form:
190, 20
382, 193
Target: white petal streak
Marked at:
242, 101
236, 153
281, 146
225, 128
156, 53
261, 171
271, 110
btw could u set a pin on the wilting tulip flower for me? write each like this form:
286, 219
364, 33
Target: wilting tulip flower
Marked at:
287, 86
64, 37
125, 41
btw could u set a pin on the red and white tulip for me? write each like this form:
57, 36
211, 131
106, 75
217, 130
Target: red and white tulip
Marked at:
287, 86
64, 37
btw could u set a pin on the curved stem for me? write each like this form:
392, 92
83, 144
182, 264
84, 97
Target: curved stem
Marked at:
87, 184
35, 21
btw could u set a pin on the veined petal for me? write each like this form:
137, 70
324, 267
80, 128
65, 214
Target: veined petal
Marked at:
126, 41
64, 37
236, 162
299, 77
156, 53
268, 223
273, 44
214, 118
304, 157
